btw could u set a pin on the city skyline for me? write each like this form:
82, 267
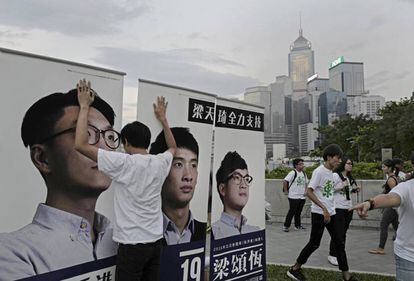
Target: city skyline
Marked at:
217, 47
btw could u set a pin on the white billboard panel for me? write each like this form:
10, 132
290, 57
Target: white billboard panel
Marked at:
25, 78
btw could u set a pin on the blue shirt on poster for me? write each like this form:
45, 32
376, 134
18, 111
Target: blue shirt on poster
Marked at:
228, 226
54, 240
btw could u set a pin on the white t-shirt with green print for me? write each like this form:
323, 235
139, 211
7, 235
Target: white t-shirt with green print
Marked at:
297, 188
322, 183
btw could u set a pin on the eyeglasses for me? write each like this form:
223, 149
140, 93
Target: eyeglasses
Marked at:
349, 163
237, 178
111, 137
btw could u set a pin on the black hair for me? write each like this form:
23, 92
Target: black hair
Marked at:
183, 139
389, 163
341, 168
412, 157
40, 119
398, 161
231, 162
296, 162
332, 150
137, 134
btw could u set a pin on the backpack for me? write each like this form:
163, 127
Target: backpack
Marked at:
294, 178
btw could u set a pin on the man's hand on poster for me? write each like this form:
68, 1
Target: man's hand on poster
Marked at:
86, 95
160, 108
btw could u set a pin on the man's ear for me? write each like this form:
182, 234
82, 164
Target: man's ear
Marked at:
39, 158
222, 189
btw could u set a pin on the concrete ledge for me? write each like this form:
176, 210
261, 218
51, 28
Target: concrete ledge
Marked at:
280, 204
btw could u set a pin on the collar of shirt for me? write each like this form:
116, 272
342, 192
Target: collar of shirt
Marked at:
53, 218
169, 225
232, 221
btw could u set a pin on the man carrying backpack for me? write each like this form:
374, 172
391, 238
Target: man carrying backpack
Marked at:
294, 185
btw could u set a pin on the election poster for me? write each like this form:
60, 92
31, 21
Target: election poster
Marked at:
185, 192
46, 185
237, 220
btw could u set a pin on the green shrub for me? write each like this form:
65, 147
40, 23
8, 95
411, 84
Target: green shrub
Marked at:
360, 170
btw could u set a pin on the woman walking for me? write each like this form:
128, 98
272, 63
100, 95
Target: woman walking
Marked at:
345, 184
389, 216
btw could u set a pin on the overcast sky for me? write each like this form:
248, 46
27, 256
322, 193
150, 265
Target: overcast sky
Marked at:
220, 47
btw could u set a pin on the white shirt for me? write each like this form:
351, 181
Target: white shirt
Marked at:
339, 195
297, 188
404, 244
322, 183
137, 181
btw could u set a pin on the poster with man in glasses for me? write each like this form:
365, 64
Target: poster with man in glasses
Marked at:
238, 219
55, 207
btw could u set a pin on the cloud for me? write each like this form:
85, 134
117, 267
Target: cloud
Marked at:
77, 17
354, 46
401, 75
197, 35
378, 79
10, 34
377, 21
181, 67
408, 1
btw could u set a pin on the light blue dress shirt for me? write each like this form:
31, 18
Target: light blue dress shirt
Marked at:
173, 236
54, 240
228, 226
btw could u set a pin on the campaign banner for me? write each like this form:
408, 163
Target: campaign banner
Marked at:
44, 225
241, 257
100, 270
184, 194
238, 194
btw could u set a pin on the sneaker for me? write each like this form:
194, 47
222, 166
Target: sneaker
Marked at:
286, 229
333, 260
377, 251
299, 228
351, 279
296, 274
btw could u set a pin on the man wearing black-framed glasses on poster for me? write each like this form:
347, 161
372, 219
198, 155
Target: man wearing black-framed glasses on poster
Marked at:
66, 232
233, 184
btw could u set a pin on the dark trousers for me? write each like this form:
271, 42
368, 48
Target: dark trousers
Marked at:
138, 262
389, 216
318, 226
295, 210
342, 218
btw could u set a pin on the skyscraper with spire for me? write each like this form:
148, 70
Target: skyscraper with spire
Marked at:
301, 67
301, 62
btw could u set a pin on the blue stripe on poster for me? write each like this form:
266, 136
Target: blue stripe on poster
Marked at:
241, 257
106, 273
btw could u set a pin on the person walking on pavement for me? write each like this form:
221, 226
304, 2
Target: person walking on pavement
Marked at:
389, 215
294, 185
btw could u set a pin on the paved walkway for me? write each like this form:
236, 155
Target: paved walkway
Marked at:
284, 248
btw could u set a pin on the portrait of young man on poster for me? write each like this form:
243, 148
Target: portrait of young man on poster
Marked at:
66, 230
233, 185
178, 189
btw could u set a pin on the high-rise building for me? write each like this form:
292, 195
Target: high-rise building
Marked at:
307, 138
366, 105
301, 62
332, 105
347, 77
274, 127
260, 95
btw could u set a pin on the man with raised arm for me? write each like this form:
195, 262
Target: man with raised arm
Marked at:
137, 179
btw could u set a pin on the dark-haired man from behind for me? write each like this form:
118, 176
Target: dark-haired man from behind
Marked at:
65, 230
137, 179
178, 189
320, 191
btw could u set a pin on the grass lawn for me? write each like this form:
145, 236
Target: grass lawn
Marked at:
278, 273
